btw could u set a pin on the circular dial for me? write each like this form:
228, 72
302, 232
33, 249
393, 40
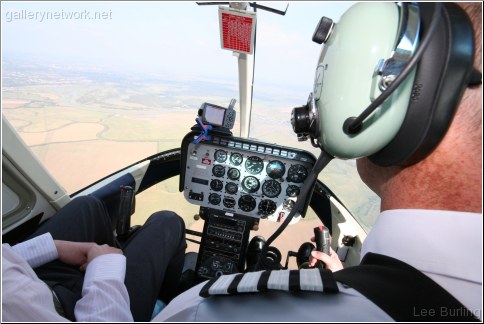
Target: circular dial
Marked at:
271, 188
233, 174
254, 165
220, 156
231, 188
250, 184
218, 171
229, 202
275, 169
214, 199
236, 158
267, 207
292, 191
297, 173
288, 204
247, 203
216, 185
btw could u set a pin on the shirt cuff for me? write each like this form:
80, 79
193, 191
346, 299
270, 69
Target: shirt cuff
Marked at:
38, 250
106, 267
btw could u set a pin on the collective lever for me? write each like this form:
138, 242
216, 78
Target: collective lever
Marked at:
322, 240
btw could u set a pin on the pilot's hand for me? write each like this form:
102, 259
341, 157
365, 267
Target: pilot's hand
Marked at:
331, 261
81, 253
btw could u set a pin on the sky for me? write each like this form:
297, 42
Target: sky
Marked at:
181, 38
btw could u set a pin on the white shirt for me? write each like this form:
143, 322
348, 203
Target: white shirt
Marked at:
446, 246
26, 298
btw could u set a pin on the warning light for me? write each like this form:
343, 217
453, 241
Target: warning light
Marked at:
237, 30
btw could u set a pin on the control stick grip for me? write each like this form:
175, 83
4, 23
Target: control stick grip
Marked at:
126, 209
323, 241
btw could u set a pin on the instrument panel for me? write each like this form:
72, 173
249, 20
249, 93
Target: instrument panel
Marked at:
244, 177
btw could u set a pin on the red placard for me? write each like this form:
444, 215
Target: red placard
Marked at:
206, 161
237, 30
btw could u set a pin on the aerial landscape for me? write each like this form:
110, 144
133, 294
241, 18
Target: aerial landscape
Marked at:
93, 96
85, 124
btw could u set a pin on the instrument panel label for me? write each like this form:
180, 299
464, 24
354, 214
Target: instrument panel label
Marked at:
206, 161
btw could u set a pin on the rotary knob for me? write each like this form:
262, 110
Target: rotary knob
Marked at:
323, 30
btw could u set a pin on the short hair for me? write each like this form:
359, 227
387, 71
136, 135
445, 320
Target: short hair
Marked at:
474, 11
470, 107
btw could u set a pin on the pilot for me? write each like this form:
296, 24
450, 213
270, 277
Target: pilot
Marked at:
431, 219
69, 268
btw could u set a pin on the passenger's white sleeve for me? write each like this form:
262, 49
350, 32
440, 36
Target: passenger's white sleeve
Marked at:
25, 298
37, 251
104, 295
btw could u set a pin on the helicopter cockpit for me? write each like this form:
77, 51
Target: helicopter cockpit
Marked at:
225, 175
233, 190
107, 109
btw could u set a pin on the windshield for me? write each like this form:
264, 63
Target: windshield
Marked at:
92, 87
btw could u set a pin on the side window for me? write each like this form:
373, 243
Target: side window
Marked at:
95, 87
17, 197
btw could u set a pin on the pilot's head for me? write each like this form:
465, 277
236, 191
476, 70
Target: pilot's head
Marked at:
402, 94
450, 177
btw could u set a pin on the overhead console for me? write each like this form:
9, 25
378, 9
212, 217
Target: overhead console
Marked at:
237, 182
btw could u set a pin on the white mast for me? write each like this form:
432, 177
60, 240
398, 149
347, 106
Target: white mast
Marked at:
237, 33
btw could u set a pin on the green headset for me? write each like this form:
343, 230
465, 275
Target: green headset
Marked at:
408, 64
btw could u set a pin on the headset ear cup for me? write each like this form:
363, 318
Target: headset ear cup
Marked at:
441, 78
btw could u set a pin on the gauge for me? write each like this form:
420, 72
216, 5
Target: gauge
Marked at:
218, 171
233, 174
250, 184
292, 191
216, 185
214, 199
247, 203
271, 188
267, 207
297, 173
254, 165
275, 169
231, 188
236, 158
229, 202
220, 156
288, 204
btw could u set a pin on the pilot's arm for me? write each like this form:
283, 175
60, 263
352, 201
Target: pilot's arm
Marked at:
27, 298
331, 261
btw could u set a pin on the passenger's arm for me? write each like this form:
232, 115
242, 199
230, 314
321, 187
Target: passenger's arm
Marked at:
38, 250
25, 298
104, 295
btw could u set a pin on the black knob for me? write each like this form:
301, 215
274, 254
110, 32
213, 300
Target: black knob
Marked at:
300, 119
303, 254
253, 251
348, 240
323, 30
